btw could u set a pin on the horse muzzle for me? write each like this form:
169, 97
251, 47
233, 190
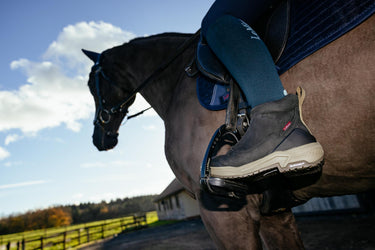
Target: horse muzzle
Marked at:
104, 140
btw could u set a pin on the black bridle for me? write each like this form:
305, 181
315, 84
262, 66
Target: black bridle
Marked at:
103, 116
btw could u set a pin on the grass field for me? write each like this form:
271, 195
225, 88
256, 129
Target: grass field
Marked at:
73, 236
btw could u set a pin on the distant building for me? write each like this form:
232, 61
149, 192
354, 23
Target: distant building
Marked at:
175, 203
329, 205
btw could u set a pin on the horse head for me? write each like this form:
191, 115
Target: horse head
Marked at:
109, 98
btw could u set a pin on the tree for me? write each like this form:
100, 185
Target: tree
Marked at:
57, 217
82, 213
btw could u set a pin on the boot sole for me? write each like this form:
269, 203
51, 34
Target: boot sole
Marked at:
301, 160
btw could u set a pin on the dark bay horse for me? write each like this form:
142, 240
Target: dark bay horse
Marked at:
339, 81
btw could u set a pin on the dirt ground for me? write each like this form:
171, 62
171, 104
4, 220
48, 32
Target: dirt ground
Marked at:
324, 232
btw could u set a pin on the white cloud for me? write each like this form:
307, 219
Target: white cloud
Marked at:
96, 36
56, 91
3, 154
22, 184
12, 138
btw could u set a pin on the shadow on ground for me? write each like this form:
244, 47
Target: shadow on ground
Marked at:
324, 232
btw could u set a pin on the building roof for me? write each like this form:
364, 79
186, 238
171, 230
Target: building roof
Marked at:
174, 187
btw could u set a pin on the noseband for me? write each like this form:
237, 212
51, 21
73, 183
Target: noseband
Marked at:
103, 116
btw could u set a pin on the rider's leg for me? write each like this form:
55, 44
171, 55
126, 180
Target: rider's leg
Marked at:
247, 10
277, 138
247, 58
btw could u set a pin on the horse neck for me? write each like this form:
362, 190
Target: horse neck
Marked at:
143, 57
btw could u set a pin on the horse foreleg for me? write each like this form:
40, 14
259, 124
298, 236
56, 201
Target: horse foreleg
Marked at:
280, 232
238, 224
229, 223
277, 231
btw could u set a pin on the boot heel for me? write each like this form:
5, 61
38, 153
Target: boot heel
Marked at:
300, 178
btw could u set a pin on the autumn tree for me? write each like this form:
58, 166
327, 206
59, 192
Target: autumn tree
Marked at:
82, 213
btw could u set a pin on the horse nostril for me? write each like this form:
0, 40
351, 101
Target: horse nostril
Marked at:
104, 140
98, 143
98, 138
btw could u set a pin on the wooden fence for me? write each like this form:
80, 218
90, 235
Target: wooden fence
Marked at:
79, 236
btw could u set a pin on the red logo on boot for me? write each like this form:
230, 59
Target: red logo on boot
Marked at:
287, 126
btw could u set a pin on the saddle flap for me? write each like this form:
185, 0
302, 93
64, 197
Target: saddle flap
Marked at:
209, 65
273, 28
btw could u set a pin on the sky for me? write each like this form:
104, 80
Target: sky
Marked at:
46, 153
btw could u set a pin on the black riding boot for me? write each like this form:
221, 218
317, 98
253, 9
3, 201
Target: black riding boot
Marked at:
277, 140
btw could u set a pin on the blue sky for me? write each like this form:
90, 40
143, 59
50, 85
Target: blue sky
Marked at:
46, 152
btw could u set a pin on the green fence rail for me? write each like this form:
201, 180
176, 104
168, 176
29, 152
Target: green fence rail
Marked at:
72, 238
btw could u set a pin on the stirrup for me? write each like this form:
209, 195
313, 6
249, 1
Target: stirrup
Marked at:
232, 188
220, 186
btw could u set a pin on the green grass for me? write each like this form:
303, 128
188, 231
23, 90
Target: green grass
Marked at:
162, 223
75, 234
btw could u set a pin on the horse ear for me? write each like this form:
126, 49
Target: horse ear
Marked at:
92, 55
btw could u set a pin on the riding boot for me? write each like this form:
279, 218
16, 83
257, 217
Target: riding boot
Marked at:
277, 141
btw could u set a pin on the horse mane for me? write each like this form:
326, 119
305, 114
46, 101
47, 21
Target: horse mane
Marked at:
162, 35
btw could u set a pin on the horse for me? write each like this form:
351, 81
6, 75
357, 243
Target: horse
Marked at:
339, 109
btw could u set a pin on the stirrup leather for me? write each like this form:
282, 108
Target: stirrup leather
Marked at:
236, 123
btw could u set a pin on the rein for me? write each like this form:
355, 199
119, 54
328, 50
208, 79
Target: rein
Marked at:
103, 116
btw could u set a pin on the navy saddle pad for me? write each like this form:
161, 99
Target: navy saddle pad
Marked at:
212, 95
313, 24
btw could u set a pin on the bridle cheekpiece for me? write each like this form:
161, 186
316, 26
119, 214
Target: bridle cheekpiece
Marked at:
103, 115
